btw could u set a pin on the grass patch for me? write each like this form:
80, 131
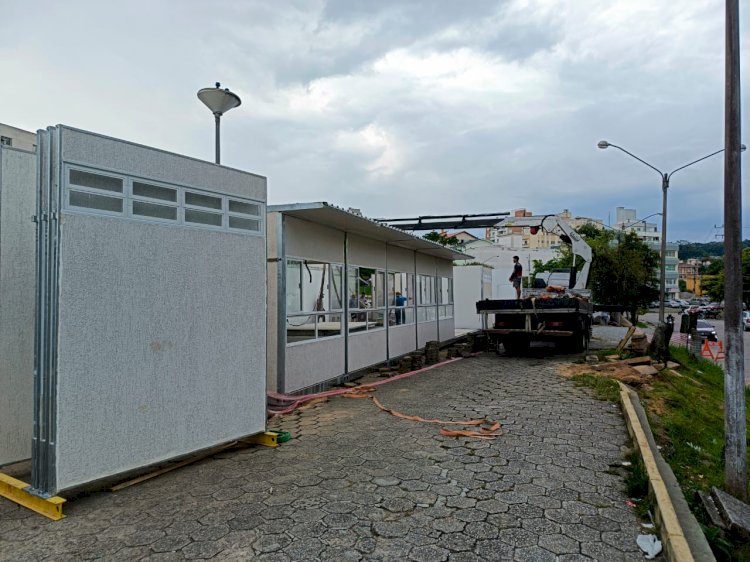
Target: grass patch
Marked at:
642, 325
604, 389
686, 414
636, 485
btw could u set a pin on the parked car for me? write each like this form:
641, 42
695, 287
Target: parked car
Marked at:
684, 303
707, 331
746, 320
601, 318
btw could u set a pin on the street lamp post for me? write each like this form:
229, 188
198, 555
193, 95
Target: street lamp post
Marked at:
623, 226
219, 102
665, 177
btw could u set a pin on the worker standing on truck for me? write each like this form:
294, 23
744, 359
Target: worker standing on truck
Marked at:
517, 276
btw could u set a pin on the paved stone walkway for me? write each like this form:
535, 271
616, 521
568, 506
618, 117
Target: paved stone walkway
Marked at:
358, 484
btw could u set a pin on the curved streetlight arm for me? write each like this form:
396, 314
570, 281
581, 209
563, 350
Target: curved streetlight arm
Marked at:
670, 174
633, 223
657, 170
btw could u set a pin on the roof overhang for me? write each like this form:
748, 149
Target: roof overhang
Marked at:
337, 218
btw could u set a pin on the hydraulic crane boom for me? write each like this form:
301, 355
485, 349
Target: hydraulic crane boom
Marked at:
553, 224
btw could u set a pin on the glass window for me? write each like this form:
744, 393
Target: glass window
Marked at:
139, 198
244, 224
202, 217
244, 208
380, 289
200, 200
314, 286
144, 209
337, 287
154, 191
351, 282
94, 201
426, 289
95, 181
293, 286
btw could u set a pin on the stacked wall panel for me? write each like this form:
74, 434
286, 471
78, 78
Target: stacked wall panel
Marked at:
152, 291
17, 207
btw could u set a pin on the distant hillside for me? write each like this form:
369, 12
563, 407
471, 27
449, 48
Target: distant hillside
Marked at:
701, 250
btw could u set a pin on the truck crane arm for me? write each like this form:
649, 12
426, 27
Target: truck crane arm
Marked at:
555, 225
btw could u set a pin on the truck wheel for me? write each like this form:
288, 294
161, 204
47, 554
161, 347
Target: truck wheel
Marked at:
579, 341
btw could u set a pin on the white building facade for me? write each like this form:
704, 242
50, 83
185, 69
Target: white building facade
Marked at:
346, 293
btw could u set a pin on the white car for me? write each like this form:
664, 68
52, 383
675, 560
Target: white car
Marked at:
746, 320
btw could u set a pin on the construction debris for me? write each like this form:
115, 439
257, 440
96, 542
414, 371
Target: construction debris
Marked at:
638, 343
431, 352
727, 512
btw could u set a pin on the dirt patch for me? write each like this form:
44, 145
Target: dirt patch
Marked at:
657, 405
617, 371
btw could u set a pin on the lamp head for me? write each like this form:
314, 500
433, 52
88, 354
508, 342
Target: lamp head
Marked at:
217, 100
603, 144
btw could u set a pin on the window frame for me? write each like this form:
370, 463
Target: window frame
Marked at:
128, 197
314, 315
377, 274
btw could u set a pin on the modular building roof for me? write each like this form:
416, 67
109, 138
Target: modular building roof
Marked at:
340, 219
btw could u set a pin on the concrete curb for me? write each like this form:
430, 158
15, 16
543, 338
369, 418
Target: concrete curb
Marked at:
680, 533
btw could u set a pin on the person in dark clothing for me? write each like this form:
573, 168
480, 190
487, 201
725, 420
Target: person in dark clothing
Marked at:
517, 276
400, 302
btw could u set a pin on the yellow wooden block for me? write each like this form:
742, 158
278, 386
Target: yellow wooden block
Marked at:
267, 439
16, 491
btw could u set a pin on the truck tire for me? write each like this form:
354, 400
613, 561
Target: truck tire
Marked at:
579, 341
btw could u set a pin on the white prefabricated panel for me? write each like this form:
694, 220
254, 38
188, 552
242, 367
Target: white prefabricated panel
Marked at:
471, 283
17, 270
161, 308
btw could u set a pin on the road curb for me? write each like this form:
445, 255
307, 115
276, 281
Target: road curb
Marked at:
680, 533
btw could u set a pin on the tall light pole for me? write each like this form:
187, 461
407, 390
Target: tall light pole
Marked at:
219, 102
665, 177
735, 439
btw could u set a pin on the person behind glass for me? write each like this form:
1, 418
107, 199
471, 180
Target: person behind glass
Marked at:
400, 302
517, 276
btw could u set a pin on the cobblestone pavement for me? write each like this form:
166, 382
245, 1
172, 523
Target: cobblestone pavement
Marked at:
356, 483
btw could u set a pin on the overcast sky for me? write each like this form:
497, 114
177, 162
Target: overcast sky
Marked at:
401, 108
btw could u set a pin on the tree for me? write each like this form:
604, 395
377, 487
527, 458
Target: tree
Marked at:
712, 282
441, 238
623, 268
683, 285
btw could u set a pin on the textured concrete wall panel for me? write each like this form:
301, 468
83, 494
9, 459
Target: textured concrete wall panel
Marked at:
313, 362
426, 332
447, 329
366, 349
119, 156
161, 343
305, 239
400, 259
467, 290
366, 252
401, 339
444, 267
17, 298
426, 264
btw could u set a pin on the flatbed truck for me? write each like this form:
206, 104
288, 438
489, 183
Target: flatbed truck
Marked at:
543, 314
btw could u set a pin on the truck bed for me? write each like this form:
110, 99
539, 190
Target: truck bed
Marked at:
538, 305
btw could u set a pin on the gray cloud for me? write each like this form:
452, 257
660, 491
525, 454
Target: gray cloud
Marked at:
399, 107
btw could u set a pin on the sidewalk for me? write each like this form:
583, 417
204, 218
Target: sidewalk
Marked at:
356, 483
